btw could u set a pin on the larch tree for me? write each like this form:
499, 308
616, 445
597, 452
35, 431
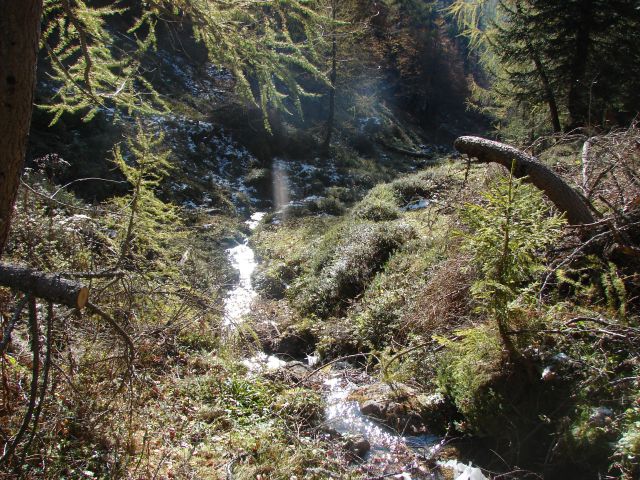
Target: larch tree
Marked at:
266, 45
19, 41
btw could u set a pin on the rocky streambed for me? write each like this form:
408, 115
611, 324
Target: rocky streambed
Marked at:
380, 427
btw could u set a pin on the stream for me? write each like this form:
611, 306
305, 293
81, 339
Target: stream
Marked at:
389, 454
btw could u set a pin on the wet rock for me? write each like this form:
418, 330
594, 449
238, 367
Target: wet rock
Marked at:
279, 330
295, 342
293, 372
372, 408
331, 432
436, 411
403, 408
298, 371
357, 445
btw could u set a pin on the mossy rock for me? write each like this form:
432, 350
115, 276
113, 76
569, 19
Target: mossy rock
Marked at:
379, 205
259, 178
272, 281
404, 408
347, 266
281, 332
338, 338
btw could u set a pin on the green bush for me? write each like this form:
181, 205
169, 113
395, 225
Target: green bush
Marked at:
467, 367
507, 237
347, 263
380, 204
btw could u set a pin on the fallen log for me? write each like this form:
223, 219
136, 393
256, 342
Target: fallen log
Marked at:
48, 286
408, 153
565, 198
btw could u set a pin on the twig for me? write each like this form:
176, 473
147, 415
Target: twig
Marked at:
67, 205
35, 373
623, 380
323, 366
405, 352
98, 311
105, 274
84, 180
45, 381
6, 335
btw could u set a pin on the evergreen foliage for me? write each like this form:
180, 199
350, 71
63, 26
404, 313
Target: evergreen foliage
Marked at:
507, 237
267, 45
575, 59
152, 224
94, 67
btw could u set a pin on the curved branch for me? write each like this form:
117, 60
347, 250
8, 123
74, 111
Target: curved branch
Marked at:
565, 198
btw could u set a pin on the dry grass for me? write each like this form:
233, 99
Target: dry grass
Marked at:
444, 303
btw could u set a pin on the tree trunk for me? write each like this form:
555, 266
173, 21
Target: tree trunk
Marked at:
332, 77
19, 41
544, 78
44, 285
559, 192
548, 92
403, 151
577, 104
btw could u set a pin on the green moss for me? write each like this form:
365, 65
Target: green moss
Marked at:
380, 204
345, 269
465, 369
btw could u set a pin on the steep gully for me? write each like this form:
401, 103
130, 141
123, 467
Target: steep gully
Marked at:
389, 454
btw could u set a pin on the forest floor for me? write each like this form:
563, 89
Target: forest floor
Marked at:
378, 295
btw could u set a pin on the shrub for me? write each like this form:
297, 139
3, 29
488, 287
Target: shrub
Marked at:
380, 204
345, 268
507, 237
467, 367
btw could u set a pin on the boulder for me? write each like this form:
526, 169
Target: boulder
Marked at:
357, 445
403, 408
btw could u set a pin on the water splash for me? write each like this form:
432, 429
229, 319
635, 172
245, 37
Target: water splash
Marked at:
255, 220
238, 301
344, 416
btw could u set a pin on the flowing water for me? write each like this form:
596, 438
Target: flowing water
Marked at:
391, 454
238, 301
344, 416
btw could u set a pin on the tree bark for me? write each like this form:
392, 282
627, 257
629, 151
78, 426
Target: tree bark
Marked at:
548, 92
576, 98
44, 285
544, 78
332, 77
565, 198
19, 40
